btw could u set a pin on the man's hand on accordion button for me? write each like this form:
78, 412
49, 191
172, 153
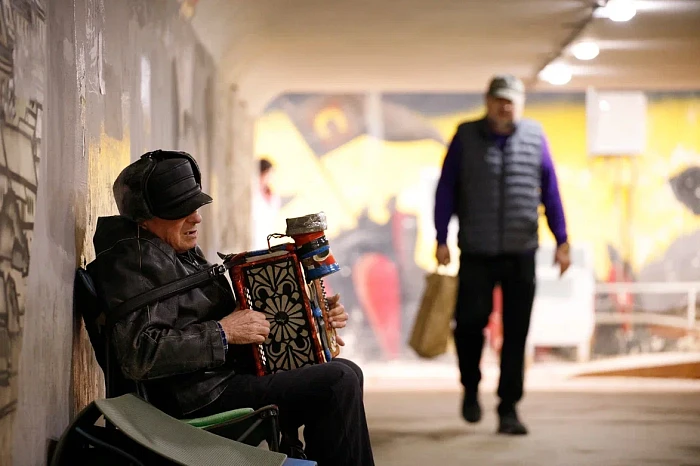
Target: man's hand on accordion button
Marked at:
245, 326
337, 316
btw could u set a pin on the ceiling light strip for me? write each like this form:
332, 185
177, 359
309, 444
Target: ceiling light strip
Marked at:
575, 33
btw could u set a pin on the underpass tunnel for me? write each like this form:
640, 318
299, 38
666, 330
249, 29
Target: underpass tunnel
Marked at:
356, 107
354, 104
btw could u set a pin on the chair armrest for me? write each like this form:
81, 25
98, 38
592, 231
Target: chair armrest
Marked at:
218, 418
244, 425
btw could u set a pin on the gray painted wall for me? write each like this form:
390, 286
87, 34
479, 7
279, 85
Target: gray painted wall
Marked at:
96, 84
22, 104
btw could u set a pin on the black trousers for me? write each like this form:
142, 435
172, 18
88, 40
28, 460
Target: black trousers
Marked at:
478, 275
327, 399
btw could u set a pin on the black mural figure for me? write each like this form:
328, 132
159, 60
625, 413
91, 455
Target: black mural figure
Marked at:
396, 241
14, 250
679, 263
686, 187
681, 260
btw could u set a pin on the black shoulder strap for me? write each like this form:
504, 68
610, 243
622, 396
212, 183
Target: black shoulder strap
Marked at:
164, 292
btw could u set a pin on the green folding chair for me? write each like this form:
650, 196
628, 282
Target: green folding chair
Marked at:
144, 435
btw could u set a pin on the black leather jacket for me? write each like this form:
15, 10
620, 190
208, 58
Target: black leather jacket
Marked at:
174, 346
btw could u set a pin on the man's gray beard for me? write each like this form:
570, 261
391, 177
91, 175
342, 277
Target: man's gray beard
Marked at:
502, 127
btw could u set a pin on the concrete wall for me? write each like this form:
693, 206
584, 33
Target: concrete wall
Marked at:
114, 79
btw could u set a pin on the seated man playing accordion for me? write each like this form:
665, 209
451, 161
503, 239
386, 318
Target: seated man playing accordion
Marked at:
192, 351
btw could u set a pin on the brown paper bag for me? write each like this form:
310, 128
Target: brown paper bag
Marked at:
431, 329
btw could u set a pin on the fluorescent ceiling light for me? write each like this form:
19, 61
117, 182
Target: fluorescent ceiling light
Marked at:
586, 50
618, 10
556, 74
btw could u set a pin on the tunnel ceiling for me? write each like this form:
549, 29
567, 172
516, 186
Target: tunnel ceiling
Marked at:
267, 47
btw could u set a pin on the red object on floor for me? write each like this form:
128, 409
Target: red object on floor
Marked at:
376, 281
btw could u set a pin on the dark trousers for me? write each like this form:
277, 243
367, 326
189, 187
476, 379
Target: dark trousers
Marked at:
327, 399
478, 275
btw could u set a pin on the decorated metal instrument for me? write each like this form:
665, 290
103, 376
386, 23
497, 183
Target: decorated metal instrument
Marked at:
285, 282
317, 261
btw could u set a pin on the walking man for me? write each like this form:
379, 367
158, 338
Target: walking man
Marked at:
497, 171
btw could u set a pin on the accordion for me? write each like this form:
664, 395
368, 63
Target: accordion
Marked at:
285, 283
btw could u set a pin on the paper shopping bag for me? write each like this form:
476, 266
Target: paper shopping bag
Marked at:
431, 329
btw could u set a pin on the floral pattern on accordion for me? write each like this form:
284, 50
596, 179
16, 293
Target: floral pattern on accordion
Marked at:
276, 291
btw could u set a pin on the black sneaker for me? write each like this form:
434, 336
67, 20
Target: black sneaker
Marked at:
509, 424
471, 410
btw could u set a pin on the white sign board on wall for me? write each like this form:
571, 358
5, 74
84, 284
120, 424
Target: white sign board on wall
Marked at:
616, 122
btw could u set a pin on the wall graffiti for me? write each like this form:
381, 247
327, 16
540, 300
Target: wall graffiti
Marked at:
22, 42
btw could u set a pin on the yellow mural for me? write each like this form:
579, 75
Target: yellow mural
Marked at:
364, 173
107, 157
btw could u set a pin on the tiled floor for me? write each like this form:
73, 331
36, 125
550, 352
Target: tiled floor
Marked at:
413, 412
567, 429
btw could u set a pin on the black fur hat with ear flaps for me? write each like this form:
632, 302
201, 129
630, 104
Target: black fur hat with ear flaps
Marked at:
165, 184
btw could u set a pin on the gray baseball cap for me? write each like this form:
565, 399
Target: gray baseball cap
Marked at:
506, 86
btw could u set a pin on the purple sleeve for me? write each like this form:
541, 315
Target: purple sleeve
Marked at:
551, 199
445, 194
